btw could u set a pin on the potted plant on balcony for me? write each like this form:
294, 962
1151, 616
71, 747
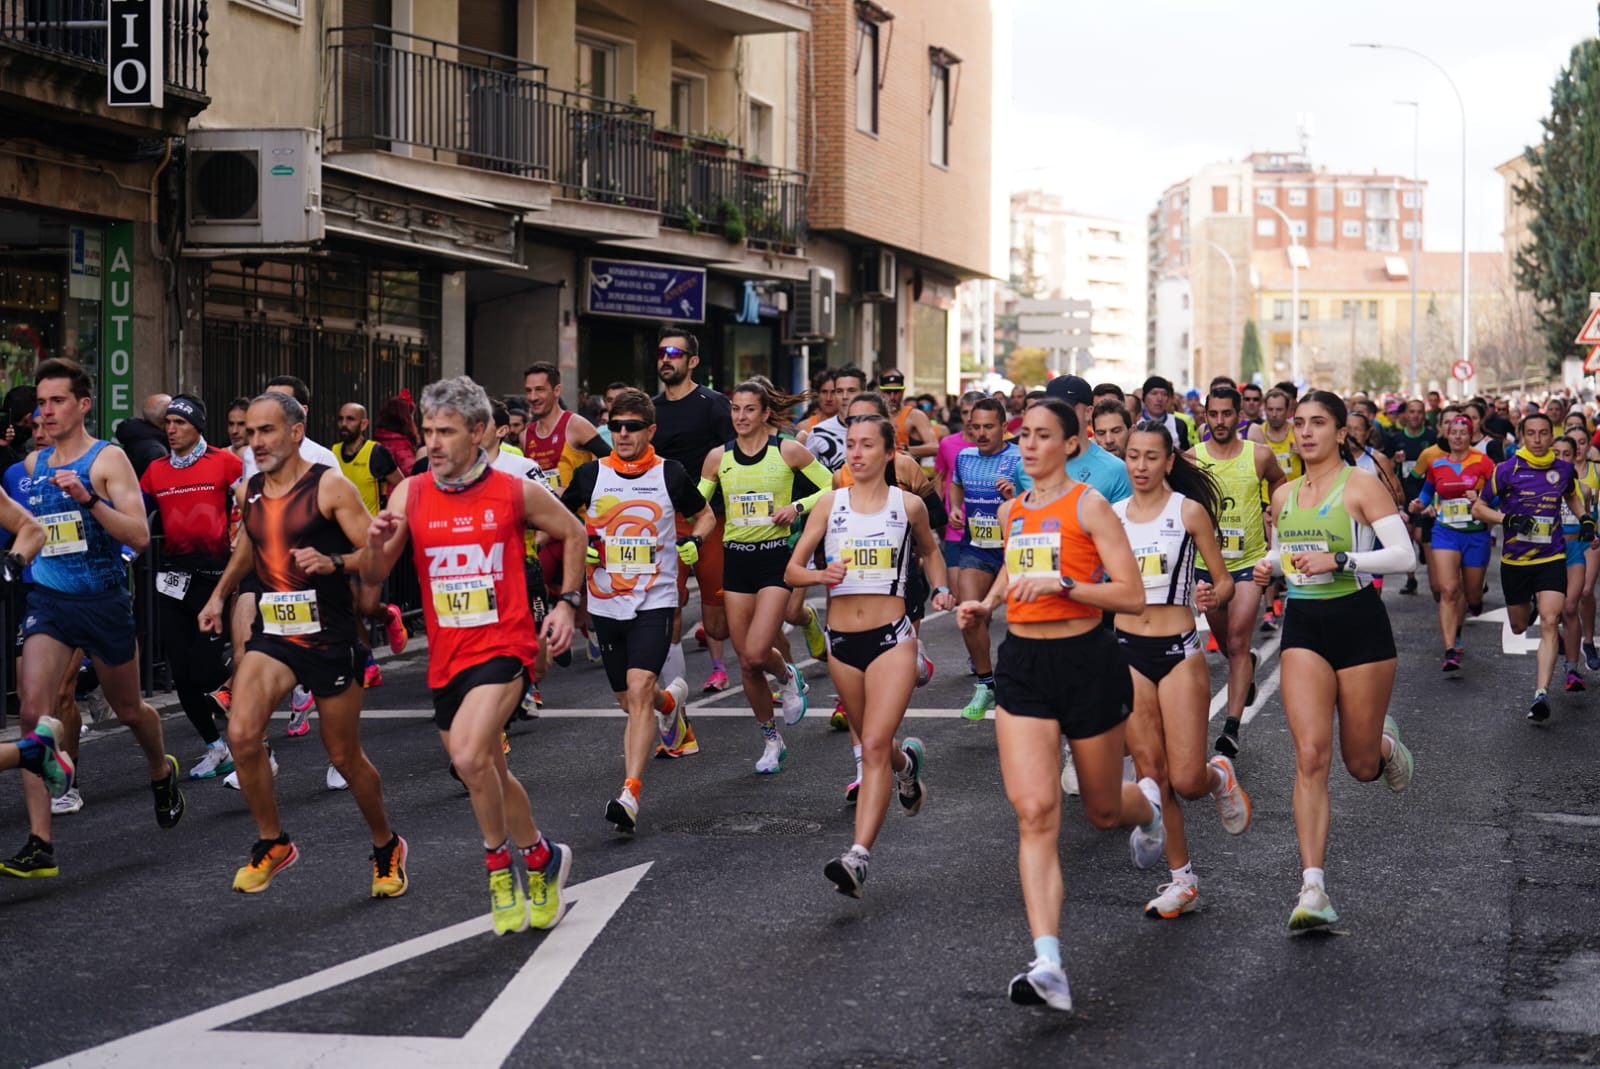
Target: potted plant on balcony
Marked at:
731, 218
757, 168
712, 141
670, 136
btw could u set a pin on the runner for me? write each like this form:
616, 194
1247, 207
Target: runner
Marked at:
1112, 424
1524, 495
1338, 654
193, 491
1407, 443
38, 751
1170, 520
1581, 562
826, 407
866, 531
87, 500
481, 634
913, 431
755, 472
1251, 399
372, 469
1276, 433
1060, 673
630, 504
300, 523
975, 501
825, 439
238, 443
944, 466
1460, 542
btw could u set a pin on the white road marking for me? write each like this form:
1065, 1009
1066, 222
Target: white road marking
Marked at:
1510, 642
1264, 689
201, 1038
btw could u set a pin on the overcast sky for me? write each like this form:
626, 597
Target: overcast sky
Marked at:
1111, 102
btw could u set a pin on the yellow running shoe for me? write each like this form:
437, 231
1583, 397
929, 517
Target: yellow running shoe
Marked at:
389, 869
267, 859
508, 907
816, 641
545, 886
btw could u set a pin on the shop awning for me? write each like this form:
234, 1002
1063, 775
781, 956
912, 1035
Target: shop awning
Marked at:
442, 228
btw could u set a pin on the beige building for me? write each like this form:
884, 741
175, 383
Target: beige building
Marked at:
1516, 234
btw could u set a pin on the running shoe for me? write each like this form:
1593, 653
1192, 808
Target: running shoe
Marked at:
508, 906
1147, 841
300, 704
1069, 771
1313, 910
772, 756
505, 746
525, 708
1228, 741
1398, 770
848, 872
301, 700
389, 869
924, 665
839, 721
34, 861
1233, 805
667, 724
816, 641
910, 788
395, 629
545, 886
1250, 695
682, 742
981, 704
1411, 585
373, 675
70, 802
1269, 620
591, 647
1173, 900
1211, 643
216, 761
170, 805
231, 780
1452, 661
538, 699
337, 782
1044, 984
793, 691
852, 790
1574, 680
55, 765
623, 811
223, 696
267, 858
700, 635
716, 681
1591, 656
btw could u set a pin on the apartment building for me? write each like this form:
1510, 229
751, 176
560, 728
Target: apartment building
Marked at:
1067, 254
1516, 234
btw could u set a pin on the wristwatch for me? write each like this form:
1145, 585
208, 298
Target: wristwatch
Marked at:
1342, 560
337, 560
94, 499
1067, 582
799, 508
573, 599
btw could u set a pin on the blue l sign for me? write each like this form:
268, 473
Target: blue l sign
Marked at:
632, 289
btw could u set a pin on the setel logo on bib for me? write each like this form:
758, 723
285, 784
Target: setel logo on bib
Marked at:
445, 561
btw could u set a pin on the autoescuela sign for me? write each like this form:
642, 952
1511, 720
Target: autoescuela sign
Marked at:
634, 289
134, 62
116, 339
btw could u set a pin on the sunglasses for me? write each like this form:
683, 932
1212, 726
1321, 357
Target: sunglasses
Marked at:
672, 352
626, 426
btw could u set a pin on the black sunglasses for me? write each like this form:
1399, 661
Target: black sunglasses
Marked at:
672, 352
628, 426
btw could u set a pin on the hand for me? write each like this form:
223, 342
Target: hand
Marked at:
68, 482
1205, 596
958, 517
1033, 589
557, 637
1261, 574
1517, 523
944, 601
1586, 530
211, 617
785, 516
1415, 507
969, 613
382, 528
313, 563
1007, 488
1314, 563
689, 552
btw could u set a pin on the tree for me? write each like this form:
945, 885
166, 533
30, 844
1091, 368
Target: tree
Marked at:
1250, 353
1376, 376
1562, 263
1027, 367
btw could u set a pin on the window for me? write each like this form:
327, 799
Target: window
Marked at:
1325, 199
1372, 309
1280, 309
1297, 198
1266, 196
1185, 300
1305, 309
1409, 198
1325, 228
597, 68
289, 8
1297, 227
688, 102
1351, 228
1352, 198
1219, 199
758, 138
1266, 228
866, 76
1349, 309
939, 112
1177, 231
1408, 230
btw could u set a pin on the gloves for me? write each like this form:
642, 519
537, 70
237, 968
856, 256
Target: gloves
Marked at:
689, 551
11, 566
592, 556
1518, 523
1586, 530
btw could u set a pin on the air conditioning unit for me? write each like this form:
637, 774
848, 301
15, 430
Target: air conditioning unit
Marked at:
879, 276
254, 187
813, 307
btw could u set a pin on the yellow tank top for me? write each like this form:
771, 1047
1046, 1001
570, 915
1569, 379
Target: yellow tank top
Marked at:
359, 471
1239, 527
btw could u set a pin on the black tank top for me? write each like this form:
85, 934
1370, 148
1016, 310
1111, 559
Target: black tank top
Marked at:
277, 527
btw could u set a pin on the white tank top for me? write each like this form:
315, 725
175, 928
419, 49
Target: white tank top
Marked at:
635, 522
876, 547
1164, 549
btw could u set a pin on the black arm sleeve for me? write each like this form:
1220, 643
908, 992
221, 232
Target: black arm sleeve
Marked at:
578, 492
684, 491
596, 445
382, 462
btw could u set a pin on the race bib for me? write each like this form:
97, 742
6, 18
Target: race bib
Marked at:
631, 555
290, 612
553, 477
1232, 539
984, 532
63, 534
750, 510
468, 602
1285, 461
1152, 565
1295, 578
874, 560
1034, 556
1542, 532
1455, 512
173, 584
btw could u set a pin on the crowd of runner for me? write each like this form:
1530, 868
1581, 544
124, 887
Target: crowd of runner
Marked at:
1090, 528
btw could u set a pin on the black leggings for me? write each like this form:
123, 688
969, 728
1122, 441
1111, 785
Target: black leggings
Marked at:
200, 662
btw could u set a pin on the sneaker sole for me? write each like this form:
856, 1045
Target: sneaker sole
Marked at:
169, 817
403, 855
562, 871
1023, 993
617, 816
1310, 922
1227, 745
1162, 915
294, 855
843, 882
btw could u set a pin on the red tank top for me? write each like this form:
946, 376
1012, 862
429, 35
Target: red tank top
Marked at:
468, 552
546, 452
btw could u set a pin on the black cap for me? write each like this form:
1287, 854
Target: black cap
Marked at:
1071, 389
892, 380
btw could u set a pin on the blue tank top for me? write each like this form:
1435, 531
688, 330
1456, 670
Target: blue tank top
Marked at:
79, 556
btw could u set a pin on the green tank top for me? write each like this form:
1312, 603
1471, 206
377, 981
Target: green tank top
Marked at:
1327, 528
1239, 527
754, 487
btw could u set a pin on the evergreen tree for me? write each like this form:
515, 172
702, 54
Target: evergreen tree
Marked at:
1250, 353
1562, 263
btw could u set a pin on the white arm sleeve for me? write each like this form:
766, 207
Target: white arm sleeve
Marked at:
1274, 557
1397, 554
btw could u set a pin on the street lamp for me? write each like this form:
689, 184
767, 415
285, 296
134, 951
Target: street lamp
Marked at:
1465, 349
1233, 299
1416, 228
1294, 291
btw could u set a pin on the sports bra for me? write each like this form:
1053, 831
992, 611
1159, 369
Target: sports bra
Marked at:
875, 546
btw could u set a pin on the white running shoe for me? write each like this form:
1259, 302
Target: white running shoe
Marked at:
1173, 900
1044, 984
772, 756
300, 701
1233, 805
70, 802
1148, 841
1069, 771
793, 692
665, 722
216, 761
231, 781
1312, 909
848, 872
335, 781
924, 665
1397, 771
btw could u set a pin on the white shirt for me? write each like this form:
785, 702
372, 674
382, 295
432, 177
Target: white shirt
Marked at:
309, 451
826, 443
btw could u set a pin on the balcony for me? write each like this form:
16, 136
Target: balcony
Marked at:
749, 16
400, 94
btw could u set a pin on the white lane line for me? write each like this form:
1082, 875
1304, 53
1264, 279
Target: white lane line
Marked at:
1267, 650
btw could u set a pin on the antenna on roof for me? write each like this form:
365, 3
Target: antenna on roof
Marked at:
1307, 123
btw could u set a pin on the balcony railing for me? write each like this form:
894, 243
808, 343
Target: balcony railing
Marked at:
77, 29
716, 189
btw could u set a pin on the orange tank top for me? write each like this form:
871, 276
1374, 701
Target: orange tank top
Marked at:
902, 433
1049, 540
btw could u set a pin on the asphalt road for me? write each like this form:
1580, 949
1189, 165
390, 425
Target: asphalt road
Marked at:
712, 939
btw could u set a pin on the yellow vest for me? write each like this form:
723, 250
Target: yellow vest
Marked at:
359, 471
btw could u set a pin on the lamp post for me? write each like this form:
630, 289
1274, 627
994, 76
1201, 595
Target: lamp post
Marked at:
1294, 292
1465, 348
1233, 298
1416, 227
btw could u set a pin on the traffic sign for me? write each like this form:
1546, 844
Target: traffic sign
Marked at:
1590, 334
1591, 363
1462, 370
